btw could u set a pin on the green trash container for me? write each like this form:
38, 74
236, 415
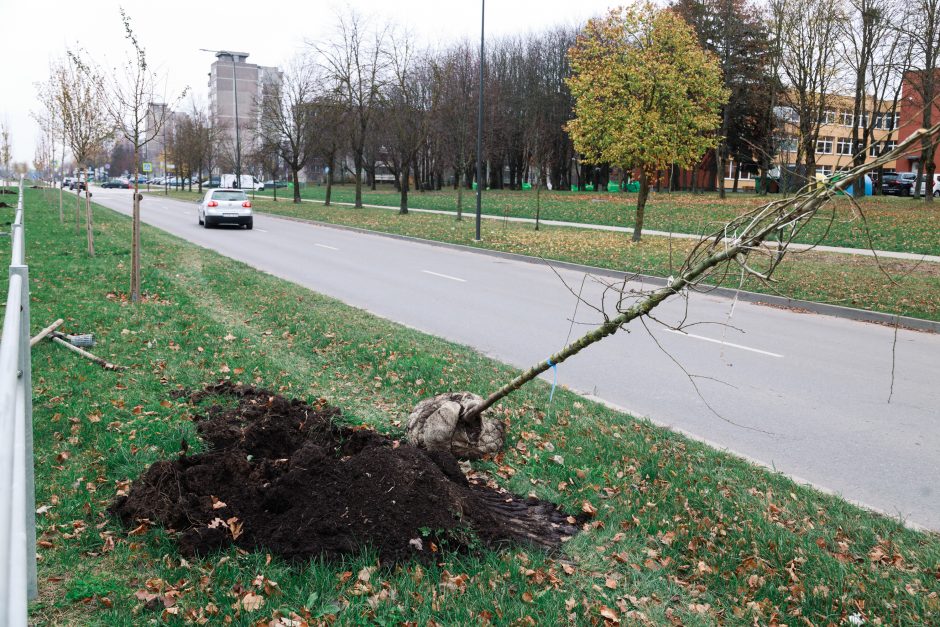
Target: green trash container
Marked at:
527, 186
613, 187
633, 186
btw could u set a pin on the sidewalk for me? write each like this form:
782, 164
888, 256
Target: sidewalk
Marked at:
865, 252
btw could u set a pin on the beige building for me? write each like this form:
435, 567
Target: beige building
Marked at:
834, 146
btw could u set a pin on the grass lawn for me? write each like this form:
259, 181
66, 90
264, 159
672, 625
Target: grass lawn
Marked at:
683, 534
852, 281
900, 224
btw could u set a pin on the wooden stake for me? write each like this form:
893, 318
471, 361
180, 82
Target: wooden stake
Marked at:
98, 360
52, 327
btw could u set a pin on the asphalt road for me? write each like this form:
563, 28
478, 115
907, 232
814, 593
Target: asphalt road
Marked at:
804, 394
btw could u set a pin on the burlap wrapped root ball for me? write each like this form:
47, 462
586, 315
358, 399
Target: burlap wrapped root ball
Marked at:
440, 423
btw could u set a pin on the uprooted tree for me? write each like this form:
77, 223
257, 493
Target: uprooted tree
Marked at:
753, 244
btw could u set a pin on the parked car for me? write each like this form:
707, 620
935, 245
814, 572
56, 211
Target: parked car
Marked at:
936, 186
225, 206
901, 184
117, 184
271, 184
211, 182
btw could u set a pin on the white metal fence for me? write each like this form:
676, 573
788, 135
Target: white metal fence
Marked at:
17, 492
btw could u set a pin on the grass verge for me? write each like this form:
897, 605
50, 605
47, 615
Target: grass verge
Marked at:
900, 224
893, 286
682, 533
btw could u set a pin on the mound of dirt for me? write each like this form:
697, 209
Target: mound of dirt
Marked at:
281, 476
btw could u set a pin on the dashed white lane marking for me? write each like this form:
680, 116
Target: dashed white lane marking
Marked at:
327, 247
445, 276
262, 230
732, 345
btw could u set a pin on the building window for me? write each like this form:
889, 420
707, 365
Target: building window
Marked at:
825, 170
845, 118
887, 121
787, 114
844, 146
749, 171
824, 146
829, 116
875, 149
787, 143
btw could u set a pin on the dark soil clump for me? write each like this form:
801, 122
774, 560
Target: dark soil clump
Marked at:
281, 476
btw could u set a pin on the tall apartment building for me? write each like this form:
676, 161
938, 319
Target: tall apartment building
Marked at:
236, 92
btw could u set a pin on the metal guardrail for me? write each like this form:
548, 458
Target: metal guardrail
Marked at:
17, 491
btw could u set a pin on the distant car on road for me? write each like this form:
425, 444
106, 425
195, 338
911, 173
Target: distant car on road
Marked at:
79, 185
116, 184
271, 184
212, 182
225, 206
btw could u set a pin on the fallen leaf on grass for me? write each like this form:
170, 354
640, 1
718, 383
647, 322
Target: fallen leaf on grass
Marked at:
251, 601
609, 614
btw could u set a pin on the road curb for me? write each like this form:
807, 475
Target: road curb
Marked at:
837, 311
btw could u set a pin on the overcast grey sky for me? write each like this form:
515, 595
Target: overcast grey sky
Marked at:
173, 31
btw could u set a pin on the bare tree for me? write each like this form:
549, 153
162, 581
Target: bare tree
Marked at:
877, 54
354, 64
6, 151
454, 76
406, 103
131, 91
809, 68
287, 125
80, 92
330, 122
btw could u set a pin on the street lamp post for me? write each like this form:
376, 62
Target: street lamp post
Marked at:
166, 184
480, 126
238, 148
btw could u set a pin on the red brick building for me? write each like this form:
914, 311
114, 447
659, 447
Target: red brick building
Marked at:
911, 110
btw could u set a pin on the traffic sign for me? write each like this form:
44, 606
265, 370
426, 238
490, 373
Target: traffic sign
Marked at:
146, 166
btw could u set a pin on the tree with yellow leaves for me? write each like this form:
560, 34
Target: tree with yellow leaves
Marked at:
646, 94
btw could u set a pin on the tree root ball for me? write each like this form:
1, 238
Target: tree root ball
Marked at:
441, 423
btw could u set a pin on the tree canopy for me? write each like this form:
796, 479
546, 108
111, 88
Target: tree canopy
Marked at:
647, 95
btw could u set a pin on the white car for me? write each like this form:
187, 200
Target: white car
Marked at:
225, 206
936, 185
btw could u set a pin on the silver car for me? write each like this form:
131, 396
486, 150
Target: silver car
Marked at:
225, 206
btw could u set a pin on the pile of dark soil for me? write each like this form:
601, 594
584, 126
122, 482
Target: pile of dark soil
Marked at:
281, 476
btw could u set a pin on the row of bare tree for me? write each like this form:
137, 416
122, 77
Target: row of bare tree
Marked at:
369, 98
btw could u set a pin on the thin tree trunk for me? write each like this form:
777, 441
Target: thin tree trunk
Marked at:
358, 165
78, 206
329, 183
641, 204
459, 195
89, 224
135, 238
295, 174
538, 204
403, 206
